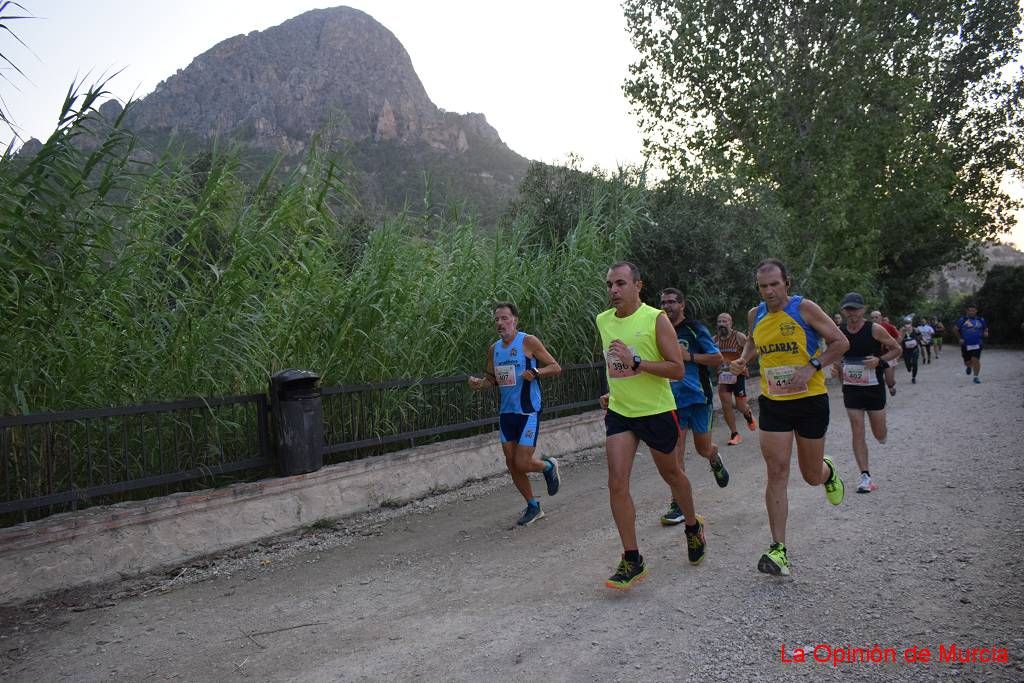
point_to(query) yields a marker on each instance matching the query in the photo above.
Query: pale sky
(547, 74)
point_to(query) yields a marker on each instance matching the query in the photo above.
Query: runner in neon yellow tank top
(642, 354)
(784, 333)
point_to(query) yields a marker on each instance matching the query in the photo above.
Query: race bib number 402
(779, 380)
(859, 376)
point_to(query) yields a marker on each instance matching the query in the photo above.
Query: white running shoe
(865, 485)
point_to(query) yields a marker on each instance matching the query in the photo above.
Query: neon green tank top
(634, 394)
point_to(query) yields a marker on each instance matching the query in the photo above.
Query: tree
(1001, 301)
(884, 128)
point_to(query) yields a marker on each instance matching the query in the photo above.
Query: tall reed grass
(126, 282)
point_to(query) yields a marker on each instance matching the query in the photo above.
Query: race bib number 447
(779, 380)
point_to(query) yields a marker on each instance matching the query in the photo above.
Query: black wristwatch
(816, 363)
(636, 363)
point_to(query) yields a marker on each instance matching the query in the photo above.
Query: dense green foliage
(126, 282)
(1001, 302)
(882, 128)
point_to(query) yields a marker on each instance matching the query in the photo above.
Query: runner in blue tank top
(512, 367)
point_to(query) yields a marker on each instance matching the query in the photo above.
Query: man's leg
(726, 397)
(748, 415)
(776, 449)
(860, 444)
(976, 364)
(621, 450)
(519, 478)
(708, 449)
(878, 426)
(678, 482)
(890, 379)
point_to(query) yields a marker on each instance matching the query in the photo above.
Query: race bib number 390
(505, 375)
(619, 368)
(779, 380)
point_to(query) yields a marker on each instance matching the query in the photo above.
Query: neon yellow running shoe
(627, 574)
(774, 561)
(834, 489)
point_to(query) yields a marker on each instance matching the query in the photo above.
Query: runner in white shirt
(927, 332)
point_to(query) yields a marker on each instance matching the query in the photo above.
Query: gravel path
(446, 588)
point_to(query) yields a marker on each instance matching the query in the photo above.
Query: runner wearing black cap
(861, 370)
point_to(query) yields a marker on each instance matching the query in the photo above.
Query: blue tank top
(510, 362)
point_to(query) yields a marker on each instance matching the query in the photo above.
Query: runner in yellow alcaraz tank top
(633, 393)
(785, 342)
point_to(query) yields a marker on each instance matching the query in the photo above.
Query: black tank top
(862, 343)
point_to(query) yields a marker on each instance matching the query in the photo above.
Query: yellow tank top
(785, 342)
(634, 394)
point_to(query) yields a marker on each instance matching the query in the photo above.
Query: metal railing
(56, 462)
(367, 419)
(61, 460)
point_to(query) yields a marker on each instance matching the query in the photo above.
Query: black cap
(852, 300)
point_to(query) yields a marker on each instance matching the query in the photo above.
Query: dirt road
(446, 589)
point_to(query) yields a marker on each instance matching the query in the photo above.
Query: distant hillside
(341, 72)
(961, 278)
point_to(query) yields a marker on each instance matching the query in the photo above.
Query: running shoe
(530, 515)
(892, 390)
(977, 380)
(751, 423)
(695, 545)
(734, 440)
(627, 574)
(721, 474)
(774, 561)
(551, 476)
(967, 371)
(834, 489)
(865, 485)
(673, 516)
(913, 380)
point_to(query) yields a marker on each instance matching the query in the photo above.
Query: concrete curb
(107, 543)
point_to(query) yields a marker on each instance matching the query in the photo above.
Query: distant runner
(890, 367)
(694, 403)
(642, 354)
(940, 333)
(910, 342)
(971, 331)
(860, 369)
(927, 332)
(512, 367)
(784, 334)
(732, 387)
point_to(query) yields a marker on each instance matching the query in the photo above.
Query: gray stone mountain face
(341, 73)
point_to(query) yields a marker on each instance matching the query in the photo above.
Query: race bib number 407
(779, 380)
(505, 375)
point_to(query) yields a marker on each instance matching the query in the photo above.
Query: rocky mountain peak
(336, 69)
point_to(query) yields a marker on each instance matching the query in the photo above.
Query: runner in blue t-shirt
(694, 407)
(971, 330)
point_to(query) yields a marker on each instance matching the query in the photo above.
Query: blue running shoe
(530, 515)
(551, 476)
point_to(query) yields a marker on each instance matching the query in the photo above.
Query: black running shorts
(660, 432)
(967, 355)
(808, 417)
(864, 398)
(739, 387)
